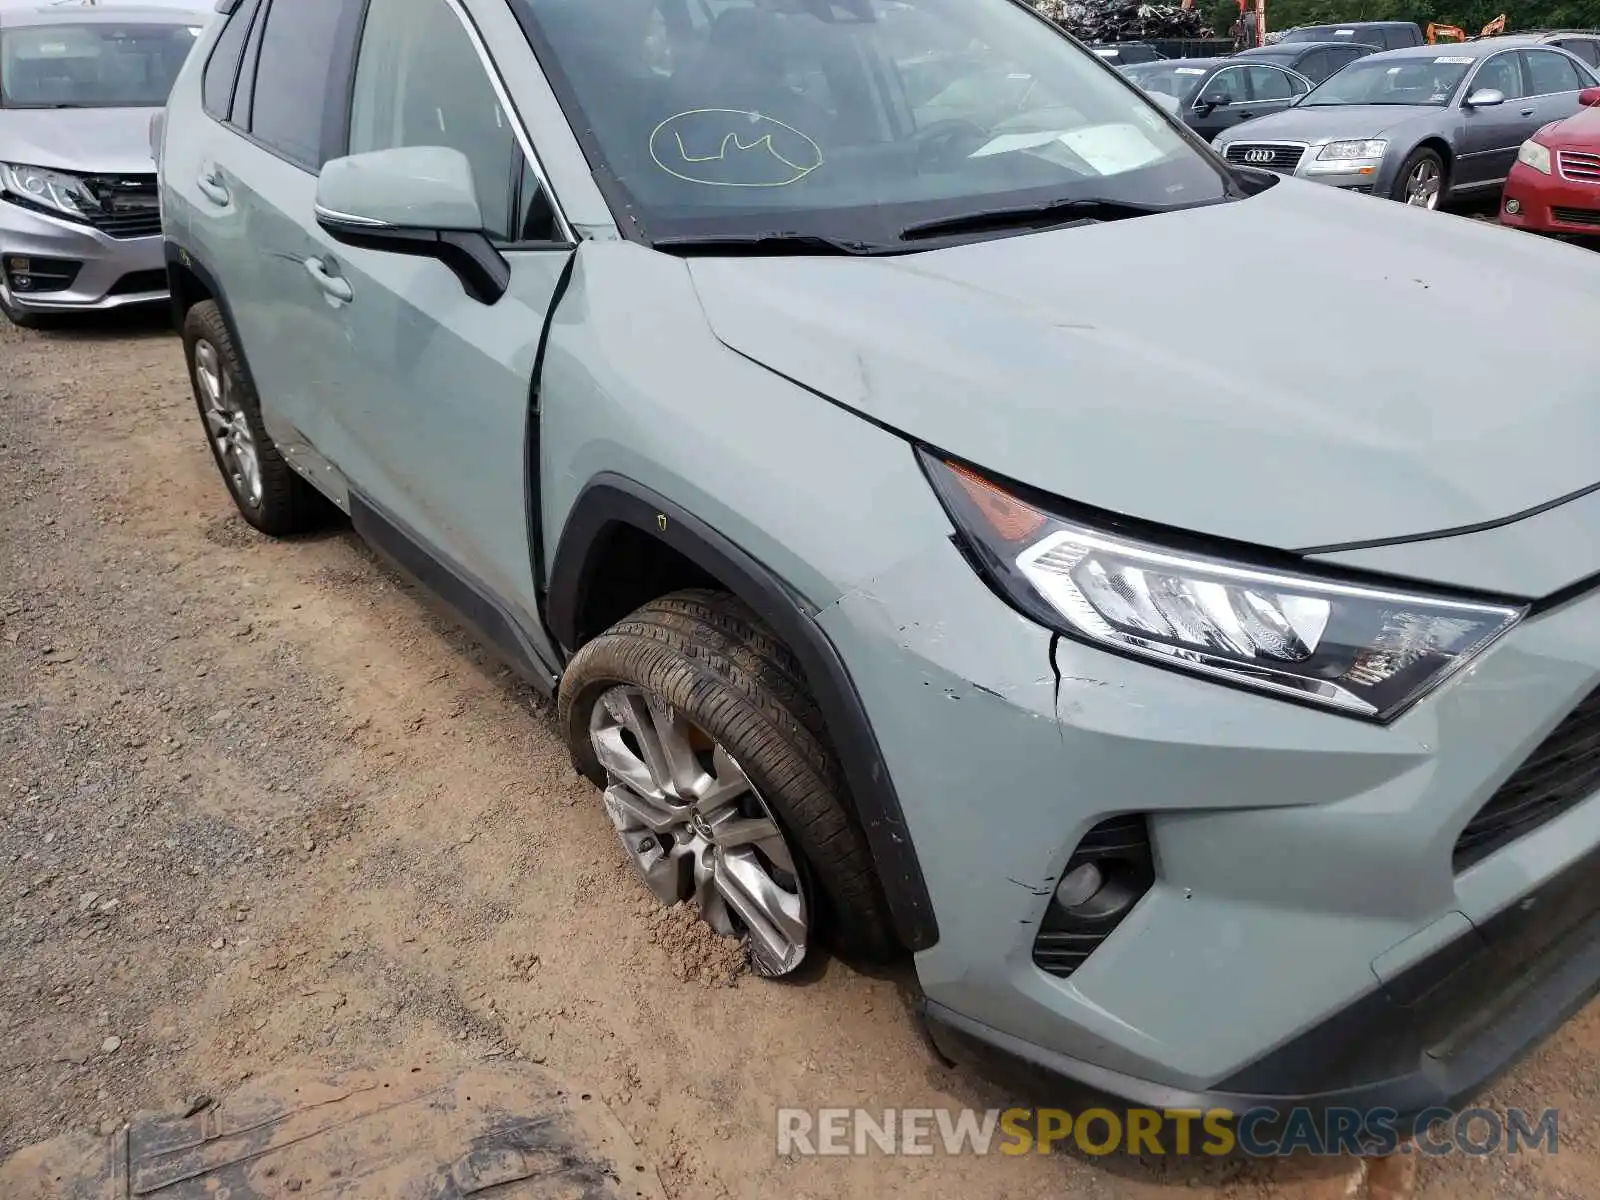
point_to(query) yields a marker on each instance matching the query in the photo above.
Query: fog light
(1079, 885)
(1513, 207)
(22, 283)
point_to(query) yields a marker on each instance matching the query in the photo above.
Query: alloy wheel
(227, 425)
(695, 826)
(1423, 185)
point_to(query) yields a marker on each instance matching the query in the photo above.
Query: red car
(1554, 186)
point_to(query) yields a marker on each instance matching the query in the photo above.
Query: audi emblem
(1258, 156)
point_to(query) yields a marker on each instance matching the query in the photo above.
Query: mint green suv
(831, 403)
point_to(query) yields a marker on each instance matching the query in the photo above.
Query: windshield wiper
(1053, 212)
(761, 243)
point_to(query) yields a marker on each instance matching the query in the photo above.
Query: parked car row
(1423, 124)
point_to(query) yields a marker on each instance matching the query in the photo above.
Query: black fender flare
(609, 500)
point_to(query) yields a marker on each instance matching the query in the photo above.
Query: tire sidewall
(202, 325)
(811, 861)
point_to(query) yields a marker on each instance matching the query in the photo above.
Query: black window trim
(237, 69)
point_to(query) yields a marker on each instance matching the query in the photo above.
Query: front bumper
(1299, 159)
(1305, 889)
(1550, 204)
(110, 272)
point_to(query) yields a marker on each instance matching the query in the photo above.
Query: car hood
(1334, 121)
(107, 141)
(1578, 132)
(1382, 373)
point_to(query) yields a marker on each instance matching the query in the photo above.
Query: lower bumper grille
(1562, 773)
(1283, 159)
(1577, 216)
(30, 276)
(1118, 849)
(135, 282)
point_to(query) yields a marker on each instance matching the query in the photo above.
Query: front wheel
(717, 775)
(1422, 182)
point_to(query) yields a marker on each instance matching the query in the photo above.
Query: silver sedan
(1419, 125)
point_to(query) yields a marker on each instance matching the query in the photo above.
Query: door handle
(213, 188)
(331, 285)
(1528, 112)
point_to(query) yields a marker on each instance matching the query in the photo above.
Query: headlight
(1349, 150)
(52, 189)
(1360, 649)
(1535, 156)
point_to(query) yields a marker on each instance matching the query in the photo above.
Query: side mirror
(1486, 98)
(1215, 100)
(417, 200)
(1590, 97)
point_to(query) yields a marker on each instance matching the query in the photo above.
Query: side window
(1499, 73)
(420, 82)
(1549, 72)
(1229, 82)
(293, 68)
(222, 68)
(1269, 83)
(1396, 39)
(1316, 66)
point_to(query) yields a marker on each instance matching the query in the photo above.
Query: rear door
(1553, 83)
(430, 397)
(248, 183)
(1490, 136)
(1272, 89)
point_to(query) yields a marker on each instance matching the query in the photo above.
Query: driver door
(430, 406)
(1208, 118)
(1490, 136)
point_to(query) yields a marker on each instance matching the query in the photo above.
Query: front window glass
(850, 118)
(1427, 80)
(93, 65)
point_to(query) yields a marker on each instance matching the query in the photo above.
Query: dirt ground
(260, 809)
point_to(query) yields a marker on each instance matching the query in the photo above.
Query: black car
(1213, 95)
(1315, 60)
(1380, 35)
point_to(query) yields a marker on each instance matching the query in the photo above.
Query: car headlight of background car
(1352, 150)
(1534, 155)
(1357, 648)
(55, 190)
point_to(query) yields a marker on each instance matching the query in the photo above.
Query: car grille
(1561, 773)
(1578, 166)
(1269, 156)
(1577, 216)
(128, 205)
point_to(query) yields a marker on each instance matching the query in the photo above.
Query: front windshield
(1381, 80)
(93, 65)
(849, 119)
(1166, 79)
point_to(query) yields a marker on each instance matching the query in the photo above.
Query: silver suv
(768, 382)
(79, 224)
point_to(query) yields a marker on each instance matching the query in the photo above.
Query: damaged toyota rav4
(1212, 720)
